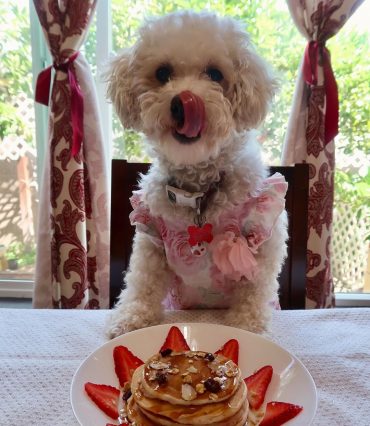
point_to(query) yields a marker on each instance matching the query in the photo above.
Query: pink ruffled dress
(204, 276)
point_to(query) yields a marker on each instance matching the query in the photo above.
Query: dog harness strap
(213, 188)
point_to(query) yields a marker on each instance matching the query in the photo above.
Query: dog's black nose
(177, 110)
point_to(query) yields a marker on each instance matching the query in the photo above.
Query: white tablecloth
(41, 349)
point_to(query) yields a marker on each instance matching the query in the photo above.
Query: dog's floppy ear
(253, 90)
(121, 91)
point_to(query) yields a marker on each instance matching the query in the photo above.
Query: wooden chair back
(292, 279)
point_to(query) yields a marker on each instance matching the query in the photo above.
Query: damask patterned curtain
(313, 124)
(72, 269)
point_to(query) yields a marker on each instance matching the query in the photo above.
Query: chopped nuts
(200, 388)
(188, 392)
(192, 369)
(158, 365)
(221, 381)
(173, 371)
(187, 379)
(213, 396)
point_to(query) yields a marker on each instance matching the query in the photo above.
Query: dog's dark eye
(163, 73)
(214, 74)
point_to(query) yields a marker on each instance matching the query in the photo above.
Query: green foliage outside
(276, 38)
(15, 68)
(24, 254)
(351, 64)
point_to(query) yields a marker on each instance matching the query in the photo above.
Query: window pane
(18, 183)
(351, 221)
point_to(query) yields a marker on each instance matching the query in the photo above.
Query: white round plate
(291, 381)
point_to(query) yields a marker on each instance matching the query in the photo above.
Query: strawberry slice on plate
(121, 424)
(175, 341)
(105, 397)
(230, 350)
(257, 385)
(278, 413)
(125, 363)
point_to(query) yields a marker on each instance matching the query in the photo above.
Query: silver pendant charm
(199, 249)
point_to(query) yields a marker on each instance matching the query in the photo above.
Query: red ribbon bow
(77, 105)
(311, 59)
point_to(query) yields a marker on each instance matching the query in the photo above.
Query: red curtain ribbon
(310, 70)
(77, 105)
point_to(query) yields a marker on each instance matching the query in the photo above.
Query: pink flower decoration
(256, 236)
(233, 256)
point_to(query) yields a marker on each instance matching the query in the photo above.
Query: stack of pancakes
(188, 388)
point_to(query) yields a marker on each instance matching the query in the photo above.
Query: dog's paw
(113, 330)
(257, 326)
(121, 322)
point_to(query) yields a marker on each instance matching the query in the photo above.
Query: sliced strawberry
(105, 397)
(121, 424)
(230, 350)
(125, 363)
(277, 413)
(257, 385)
(175, 341)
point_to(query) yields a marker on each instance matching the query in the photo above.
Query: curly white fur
(190, 43)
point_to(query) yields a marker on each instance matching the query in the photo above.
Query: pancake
(238, 419)
(189, 388)
(135, 415)
(190, 377)
(200, 414)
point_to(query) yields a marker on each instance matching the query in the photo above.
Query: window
(351, 220)
(18, 157)
(113, 28)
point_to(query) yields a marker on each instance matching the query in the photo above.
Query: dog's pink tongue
(194, 114)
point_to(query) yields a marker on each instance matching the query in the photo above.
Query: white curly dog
(210, 224)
